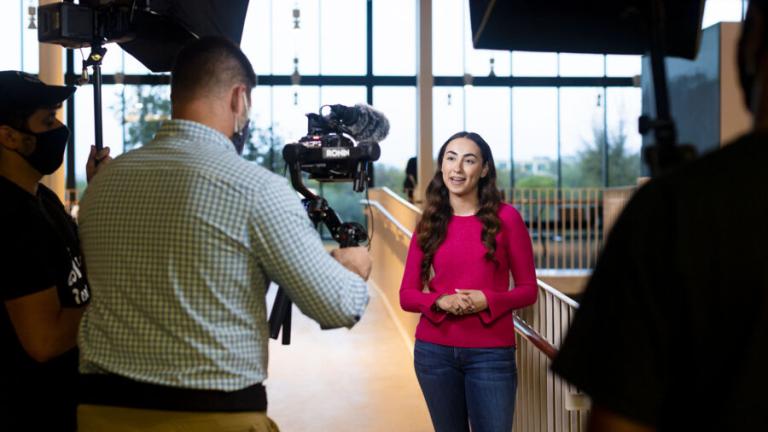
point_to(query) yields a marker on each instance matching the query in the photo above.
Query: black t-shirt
(673, 327)
(39, 250)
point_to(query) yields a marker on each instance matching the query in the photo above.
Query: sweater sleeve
(412, 298)
(521, 264)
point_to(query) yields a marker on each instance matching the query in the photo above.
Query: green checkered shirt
(181, 238)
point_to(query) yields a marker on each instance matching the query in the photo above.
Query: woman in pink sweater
(457, 275)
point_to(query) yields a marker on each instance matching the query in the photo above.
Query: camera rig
(328, 154)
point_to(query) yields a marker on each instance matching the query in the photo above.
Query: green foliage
(536, 181)
(265, 148)
(148, 106)
(586, 168)
(503, 176)
(145, 109)
(391, 177)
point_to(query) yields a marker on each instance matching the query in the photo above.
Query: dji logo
(335, 153)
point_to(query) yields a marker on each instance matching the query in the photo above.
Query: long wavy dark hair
(433, 226)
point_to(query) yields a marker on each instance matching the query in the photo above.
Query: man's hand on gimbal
(355, 259)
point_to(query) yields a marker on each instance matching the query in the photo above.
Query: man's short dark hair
(209, 63)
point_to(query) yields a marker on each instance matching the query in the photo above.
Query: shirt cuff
(432, 313)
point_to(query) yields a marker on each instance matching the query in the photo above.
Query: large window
(534, 136)
(312, 52)
(488, 112)
(582, 136)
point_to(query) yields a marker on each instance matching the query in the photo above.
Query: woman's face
(462, 167)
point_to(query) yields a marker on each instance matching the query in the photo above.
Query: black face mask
(241, 137)
(49, 150)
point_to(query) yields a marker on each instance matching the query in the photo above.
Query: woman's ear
(485, 170)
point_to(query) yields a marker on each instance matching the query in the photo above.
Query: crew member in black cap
(43, 287)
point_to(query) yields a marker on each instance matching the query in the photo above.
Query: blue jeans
(464, 386)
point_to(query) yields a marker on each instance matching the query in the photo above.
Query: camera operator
(672, 333)
(182, 237)
(44, 288)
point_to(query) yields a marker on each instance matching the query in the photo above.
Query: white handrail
(559, 295)
(388, 215)
(403, 201)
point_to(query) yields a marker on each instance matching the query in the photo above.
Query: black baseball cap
(22, 93)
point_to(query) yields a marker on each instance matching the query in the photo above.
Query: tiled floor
(346, 380)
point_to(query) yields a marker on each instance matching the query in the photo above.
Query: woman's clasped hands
(463, 302)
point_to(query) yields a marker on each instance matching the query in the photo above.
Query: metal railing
(566, 225)
(614, 200)
(544, 401)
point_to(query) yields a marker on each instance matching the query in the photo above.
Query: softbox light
(158, 36)
(584, 26)
(151, 31)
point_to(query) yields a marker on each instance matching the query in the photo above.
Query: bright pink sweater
(460, 264)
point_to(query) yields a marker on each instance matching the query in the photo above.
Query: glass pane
(624, 107)
(113, 113)
(345, 95)
(261, 106)
(447, 39)
(264, 147)
(289, 106)
(342, 41)
(144, 110)
(623, 65)
(131, 66)
(581, 65)
(289, 42)
(256, 42)
(447, 114)
(344, 200)
(716, 11)
(525, 63)
(31, 52)
(478, 62)
(394, 51)
(11, 19)
(493, 125)
(582, 136)
(399, 105)
(534, 133)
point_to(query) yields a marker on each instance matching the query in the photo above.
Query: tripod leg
(280, 316)
(287, 324)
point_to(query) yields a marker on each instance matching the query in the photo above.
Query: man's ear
(236, 98)
(10, 138)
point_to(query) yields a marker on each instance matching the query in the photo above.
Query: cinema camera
(340, 146)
